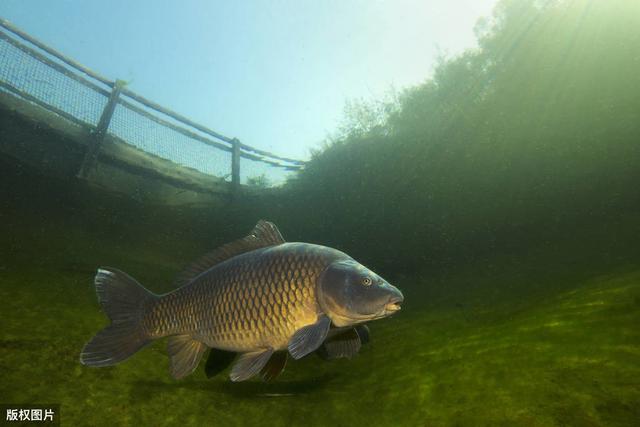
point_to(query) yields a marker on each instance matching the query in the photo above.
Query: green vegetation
(533, 134)
(259, 181)
(501, 196)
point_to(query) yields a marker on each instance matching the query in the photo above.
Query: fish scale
(242, 305)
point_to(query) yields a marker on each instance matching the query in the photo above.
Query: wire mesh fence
(28, 74)
(43, 76)
(157, 139)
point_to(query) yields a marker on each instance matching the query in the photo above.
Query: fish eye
(367, 281)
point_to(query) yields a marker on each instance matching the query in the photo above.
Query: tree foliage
(533, 132)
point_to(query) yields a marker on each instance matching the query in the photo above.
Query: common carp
(259, 296)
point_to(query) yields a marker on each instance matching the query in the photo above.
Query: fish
(259, 297)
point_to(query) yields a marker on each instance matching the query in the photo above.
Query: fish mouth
(393, 305)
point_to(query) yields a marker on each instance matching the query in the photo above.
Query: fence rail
(46, 77)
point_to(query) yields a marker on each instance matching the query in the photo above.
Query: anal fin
(185, 353)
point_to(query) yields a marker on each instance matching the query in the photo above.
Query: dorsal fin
(264, 234)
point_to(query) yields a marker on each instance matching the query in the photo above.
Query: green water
(501, 196)
(536, 340)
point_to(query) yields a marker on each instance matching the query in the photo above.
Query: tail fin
(124, 300)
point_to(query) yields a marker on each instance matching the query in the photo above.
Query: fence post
(235, 167)
(98, 134)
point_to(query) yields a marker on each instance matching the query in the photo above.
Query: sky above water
(275, 74)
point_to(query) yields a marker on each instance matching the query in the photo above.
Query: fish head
(349, 293)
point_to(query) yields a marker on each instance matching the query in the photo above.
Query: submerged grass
(569, 359)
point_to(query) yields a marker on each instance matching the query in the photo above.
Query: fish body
(259, 296)
(251, 301)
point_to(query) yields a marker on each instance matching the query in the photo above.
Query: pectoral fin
(345, 344)
(309, 338)
(218, 361)
(249, 364)
(185, 354)
(274, 366)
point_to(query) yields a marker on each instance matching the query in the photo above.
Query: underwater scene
(462, 252)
